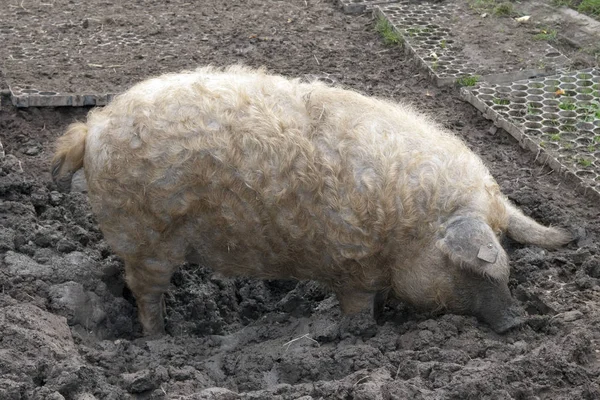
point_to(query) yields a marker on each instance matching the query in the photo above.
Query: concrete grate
(34, 98)
(557, 117)
(361, 6)
(428, 33)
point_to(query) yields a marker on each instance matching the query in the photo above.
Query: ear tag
(488, 253)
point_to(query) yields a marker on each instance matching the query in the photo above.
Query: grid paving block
(361, 6)
(23, 98)
(557, 117)
(432, 35)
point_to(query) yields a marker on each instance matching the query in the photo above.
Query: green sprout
(548, 35)
(503, 9)
(567, 106)
(470, 80)
(387, 32)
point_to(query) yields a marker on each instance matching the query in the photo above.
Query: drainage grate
(432, 34)
(558, 117)
(360, 6)
(35, 98)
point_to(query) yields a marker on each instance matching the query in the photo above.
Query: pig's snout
(493, 304)
(504, 320)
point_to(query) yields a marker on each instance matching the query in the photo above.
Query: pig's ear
(471, 243)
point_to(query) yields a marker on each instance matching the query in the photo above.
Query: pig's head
(464, 270)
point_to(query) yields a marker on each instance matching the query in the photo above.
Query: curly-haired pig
(262, 176)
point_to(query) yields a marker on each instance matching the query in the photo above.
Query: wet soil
(68, 328)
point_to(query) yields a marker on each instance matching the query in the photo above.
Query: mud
(67, 322)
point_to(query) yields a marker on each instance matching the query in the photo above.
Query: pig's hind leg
(148, 279)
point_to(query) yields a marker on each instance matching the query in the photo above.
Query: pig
(258, 175)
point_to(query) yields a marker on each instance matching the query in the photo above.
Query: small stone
(12, 163)
(493, 129)
(65, 246)
(55, 198)
(80, 234)
(580, 256)
(570, 316)
(182, 374)
(216, 393)
(32, 151)
(592, 267)
(140, 381)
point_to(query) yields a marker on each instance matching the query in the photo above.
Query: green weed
(503, 9)
(548, 35)
(387, 32)
(567, 106)
(470, 80)
(590, 7)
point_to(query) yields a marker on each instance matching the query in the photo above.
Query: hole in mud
(584, 97)
(553, 54)
(584, 127)
(585, 174)
(551, 110)
(550, 131)
(567, 114)
(533, 118)
(533, 132)
(551, 83)
(550, 102)
(584, 76)
(585, 83)
(550, 122)
(533, 125)
(584, 90)
(583, 141)
(535, 91)
(568, 79)
(533, 98)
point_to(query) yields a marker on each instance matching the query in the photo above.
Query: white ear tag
(488, 253)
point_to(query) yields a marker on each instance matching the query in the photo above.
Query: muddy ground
(67, 322)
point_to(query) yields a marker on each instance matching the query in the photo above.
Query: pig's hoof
(361, 324)
(504, 326)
